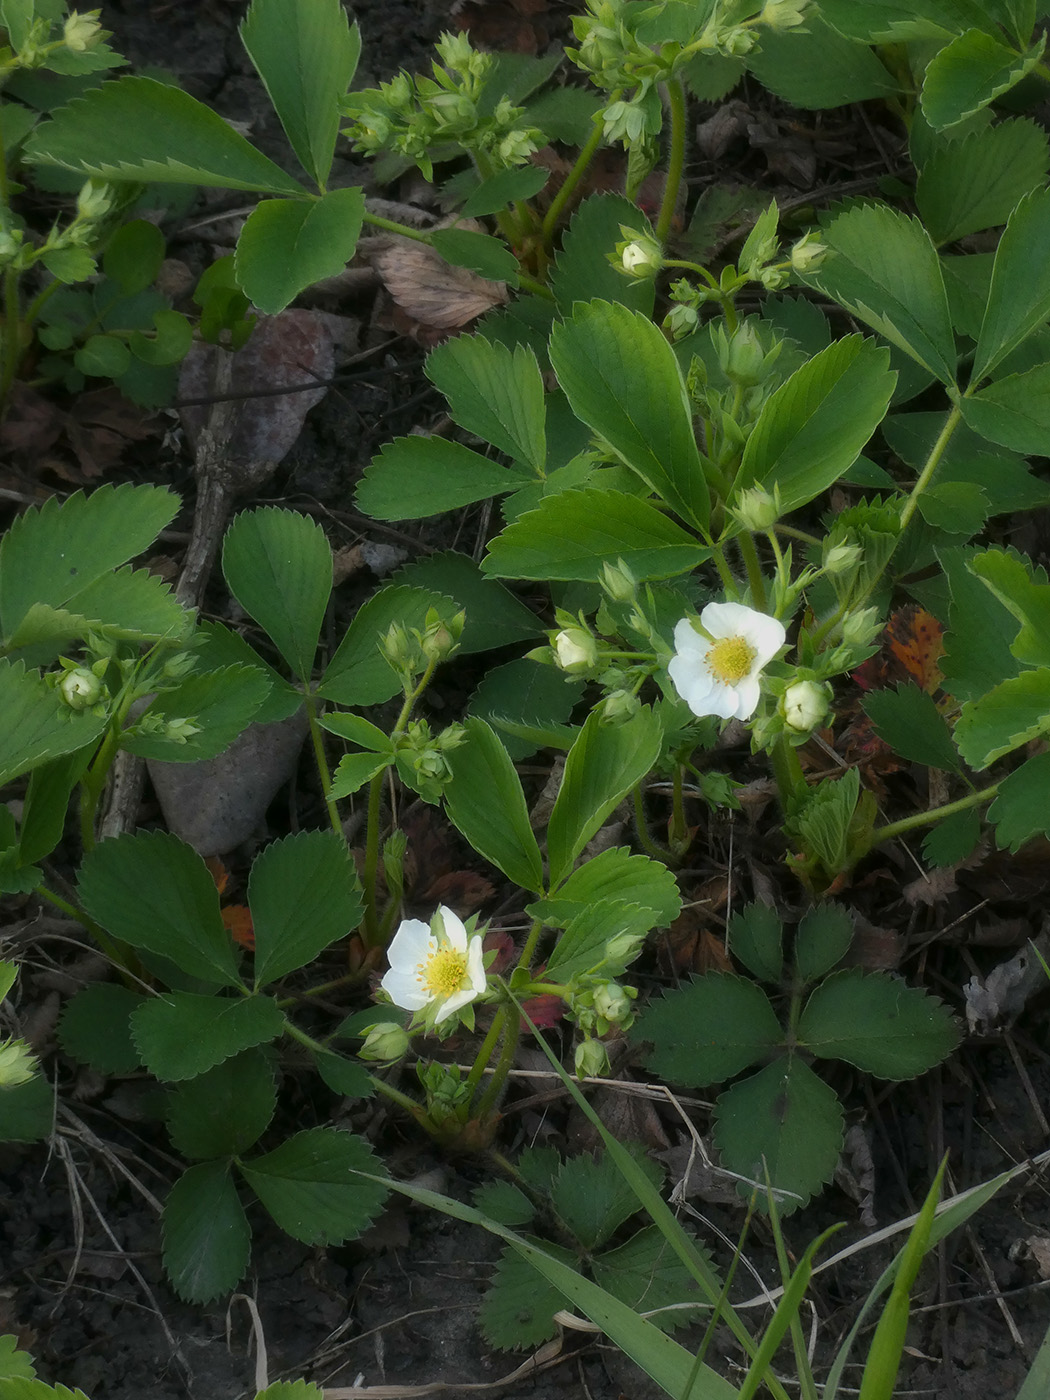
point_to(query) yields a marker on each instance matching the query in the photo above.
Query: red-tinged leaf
(218, 873)
(237, 918)
(911, 648)
(506, 950)
(544, 1011)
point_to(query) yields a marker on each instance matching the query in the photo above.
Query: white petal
(767, 636)
(728, 619)
(451, 1004)
(723, 701)
(405, 989)
(746, 693)
(687, 640)
(454, 930)
(412, 944)
(476, 963)
(692, 680)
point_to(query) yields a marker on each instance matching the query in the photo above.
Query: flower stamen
(730, 659)
(443, 972)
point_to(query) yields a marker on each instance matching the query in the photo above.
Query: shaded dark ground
(80, 1275)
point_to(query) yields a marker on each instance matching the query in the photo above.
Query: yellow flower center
(730, 659)
(443, 972)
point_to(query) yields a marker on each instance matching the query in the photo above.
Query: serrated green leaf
(51, 554)
(974, 184)
(306, 56)
(350, 1078)
(152, 891)
(584, 945)
(170, 342)
(573, 534)
(1025, 593)
(495, 393)
(622, 379)
(278, 565)
(821, 940)
(977, 652)
(311, 1188)
(616, 874)
(582, 270)
(952, 840)
(220, 703)
(525, 693)
(224, 1111)
(287, 245)
(969, 73)
(27, 1111)
(358, 673)
(415, 477)
(518, 1308)
(908, 719)
(354, 770)
(592, 1198)
(503, 189)
(644, 1274)
(14, 1364)
(486, 803)
(96, 1028)
(1013, 411)
(1010, 715)
(182, 1034)
(967, 458)
(1019, 294)
(957, 507)
(303, 894)
(37, 725)
(1020, 810)
(291, 1390)
(812, 429)
(877, 1023)
(819, 68)
(709, 1030)
(756, 937)
(495, 617)
(604, 764)
(217, 646)
(128, 605)
(130, 128)
(885, 270)
(480, 253)
(207, 1238)
(784, 1121)
(502, 1201)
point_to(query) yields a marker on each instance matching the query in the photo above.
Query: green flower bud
(620, 706)
(81, 688)
(612, 1002)
(756, 509)
(783, 14)
(81, 32)
(17, 1064)
(618, 581)
(640, 255)
(804, 706)
(860, 629)
(575, 651)
(591, 1059)
(386, 1041)
(807, 254)
(840, 558)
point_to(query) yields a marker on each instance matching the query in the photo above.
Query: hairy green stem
(529, 947)
(392, 226)
(749, 554)
(488, 1046)
(891, 830)
(642, 827)
(787, 770)
(933, 461)
(321, 758)
(511, 1033)
(676, 156)
(568, 186)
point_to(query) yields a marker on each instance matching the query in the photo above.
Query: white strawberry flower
(715, 669)
(437, 968)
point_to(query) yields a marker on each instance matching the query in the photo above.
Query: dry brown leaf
(432, 291)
